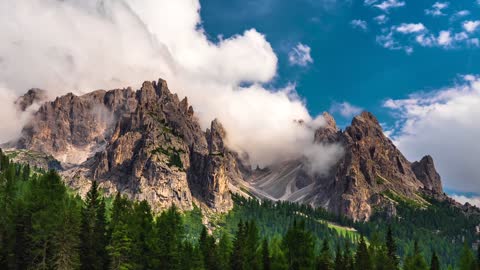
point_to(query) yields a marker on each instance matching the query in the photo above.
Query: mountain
(369, 173)
(149, 145)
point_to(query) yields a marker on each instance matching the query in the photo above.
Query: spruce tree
(415, 261)
(362, 257)
(299, 247)
(238, 260)
(266, 264)
(325, 259)
(92, 233)
(393, 262)
(224, 251)
(339, 263)
(435, 263)
(467, 260)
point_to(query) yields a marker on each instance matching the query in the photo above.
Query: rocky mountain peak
(427, 174)
(34, 95)
(328, 132)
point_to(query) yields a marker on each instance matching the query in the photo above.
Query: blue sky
(412, 63)
(349, 64)
(370, 54)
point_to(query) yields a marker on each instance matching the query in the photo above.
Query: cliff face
(149, 145)
(371, 169)
(146, 144)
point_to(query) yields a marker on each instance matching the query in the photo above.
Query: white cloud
(426, 40)
(300, 55)
(471, 26)
(82, 45)
(408, 28)
(474, 42)
(369, 2)
(444, 38)
(464, 199)
(359, 24)
(460, 14)
(444, 124)
(381, 19)
(388, 4)
(437, 9)
(345, 109)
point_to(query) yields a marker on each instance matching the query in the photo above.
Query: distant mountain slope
(148, 144)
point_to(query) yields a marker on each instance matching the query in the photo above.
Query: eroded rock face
(147, 144)
(371, 167)
(34, 95)
(427, 174)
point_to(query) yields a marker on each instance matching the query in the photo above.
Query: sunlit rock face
(141, 143)
(148, 144)
(371, 169)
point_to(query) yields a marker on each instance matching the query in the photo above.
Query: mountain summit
(149, 145)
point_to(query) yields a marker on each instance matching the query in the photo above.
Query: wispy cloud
(437, 9)
(300, 55)
(345, 109)
(388, 4)
(369, 2)
(359, 24)
(471, 26)
(381, 19)
(459, 14)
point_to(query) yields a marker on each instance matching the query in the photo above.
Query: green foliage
(44, 226)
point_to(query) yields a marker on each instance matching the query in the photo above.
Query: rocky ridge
(146, 144)
(149, 145)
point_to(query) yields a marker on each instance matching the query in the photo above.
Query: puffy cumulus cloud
(359, 24)
(408, 28)
(345, 109)
(300, 55)
(471, 26)
(389, 4)
(82, 45)
(444, 38)
(437, 9)
(443, 123)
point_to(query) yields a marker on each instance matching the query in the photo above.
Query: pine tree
(238, 260)
(435, 263)
(265, 255)
(339, 263)
(120, 248)
(66, 238)
(347, 257)
(467, 260)
(393, 262)
(252, 246)
(299, 245)
(362, 257)
(92, 233)
(325, 259)
(224, 251)
(208, 248)
(415, 261)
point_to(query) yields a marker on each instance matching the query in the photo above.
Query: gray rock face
(147, 144)
(371, 168)
(427, 174)
(34, 95)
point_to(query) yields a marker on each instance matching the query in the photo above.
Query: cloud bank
(443, 123)
(82, 45)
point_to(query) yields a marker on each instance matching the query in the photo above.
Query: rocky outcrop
(149, 145)
(146, 144)
(371, 170)
(425, 172)
(34, 95)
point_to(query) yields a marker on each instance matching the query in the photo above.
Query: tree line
(43, 225)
